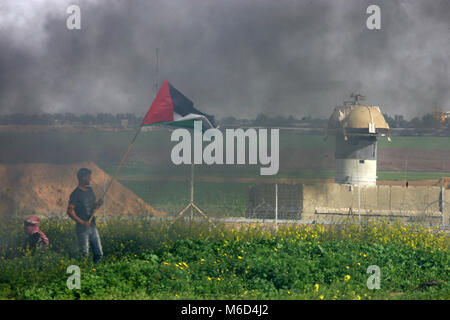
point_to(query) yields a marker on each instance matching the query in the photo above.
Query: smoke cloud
(232, 58)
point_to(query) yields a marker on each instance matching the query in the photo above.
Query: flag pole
(191, 203)
(192, 190)
(124, 157)
(122, 161)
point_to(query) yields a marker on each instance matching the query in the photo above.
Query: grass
(226, 198)
(421, 143)
(221, 198)
(160, 140)
(151, 260)
(156, 140)
(94, 139)
(217, 199)
(411, 175)
(106, 148)
(145, 172)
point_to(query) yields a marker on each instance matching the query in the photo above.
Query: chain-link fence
(222, 196)
(274, 201)
(142, 190)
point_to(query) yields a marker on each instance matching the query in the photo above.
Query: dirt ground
(414, 159)
(44, 189)
(443, 182)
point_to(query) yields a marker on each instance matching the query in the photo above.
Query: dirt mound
(44, 189)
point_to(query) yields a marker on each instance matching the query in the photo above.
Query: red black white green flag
(171, 107)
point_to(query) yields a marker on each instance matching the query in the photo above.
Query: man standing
(82, 205)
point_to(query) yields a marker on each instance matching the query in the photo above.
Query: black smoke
(232, 58)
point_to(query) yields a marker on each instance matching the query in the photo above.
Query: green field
(411, 175)
(160, 139)
(166, 186)
(218, 198)
(152, 260)
(425, 143)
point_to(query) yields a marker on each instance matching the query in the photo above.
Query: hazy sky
(231, 57)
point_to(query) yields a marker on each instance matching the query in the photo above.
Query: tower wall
(356, 160)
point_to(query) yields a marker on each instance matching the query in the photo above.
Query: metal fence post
(104, 195)
(276, 206)
(359, 205)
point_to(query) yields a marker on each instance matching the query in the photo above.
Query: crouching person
(81, 208)
(37, 240)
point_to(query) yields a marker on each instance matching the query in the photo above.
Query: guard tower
(356, 128)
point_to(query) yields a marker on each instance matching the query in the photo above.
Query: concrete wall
(446, 208)
(415, 203)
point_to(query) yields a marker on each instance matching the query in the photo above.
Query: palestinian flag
(171, 107)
